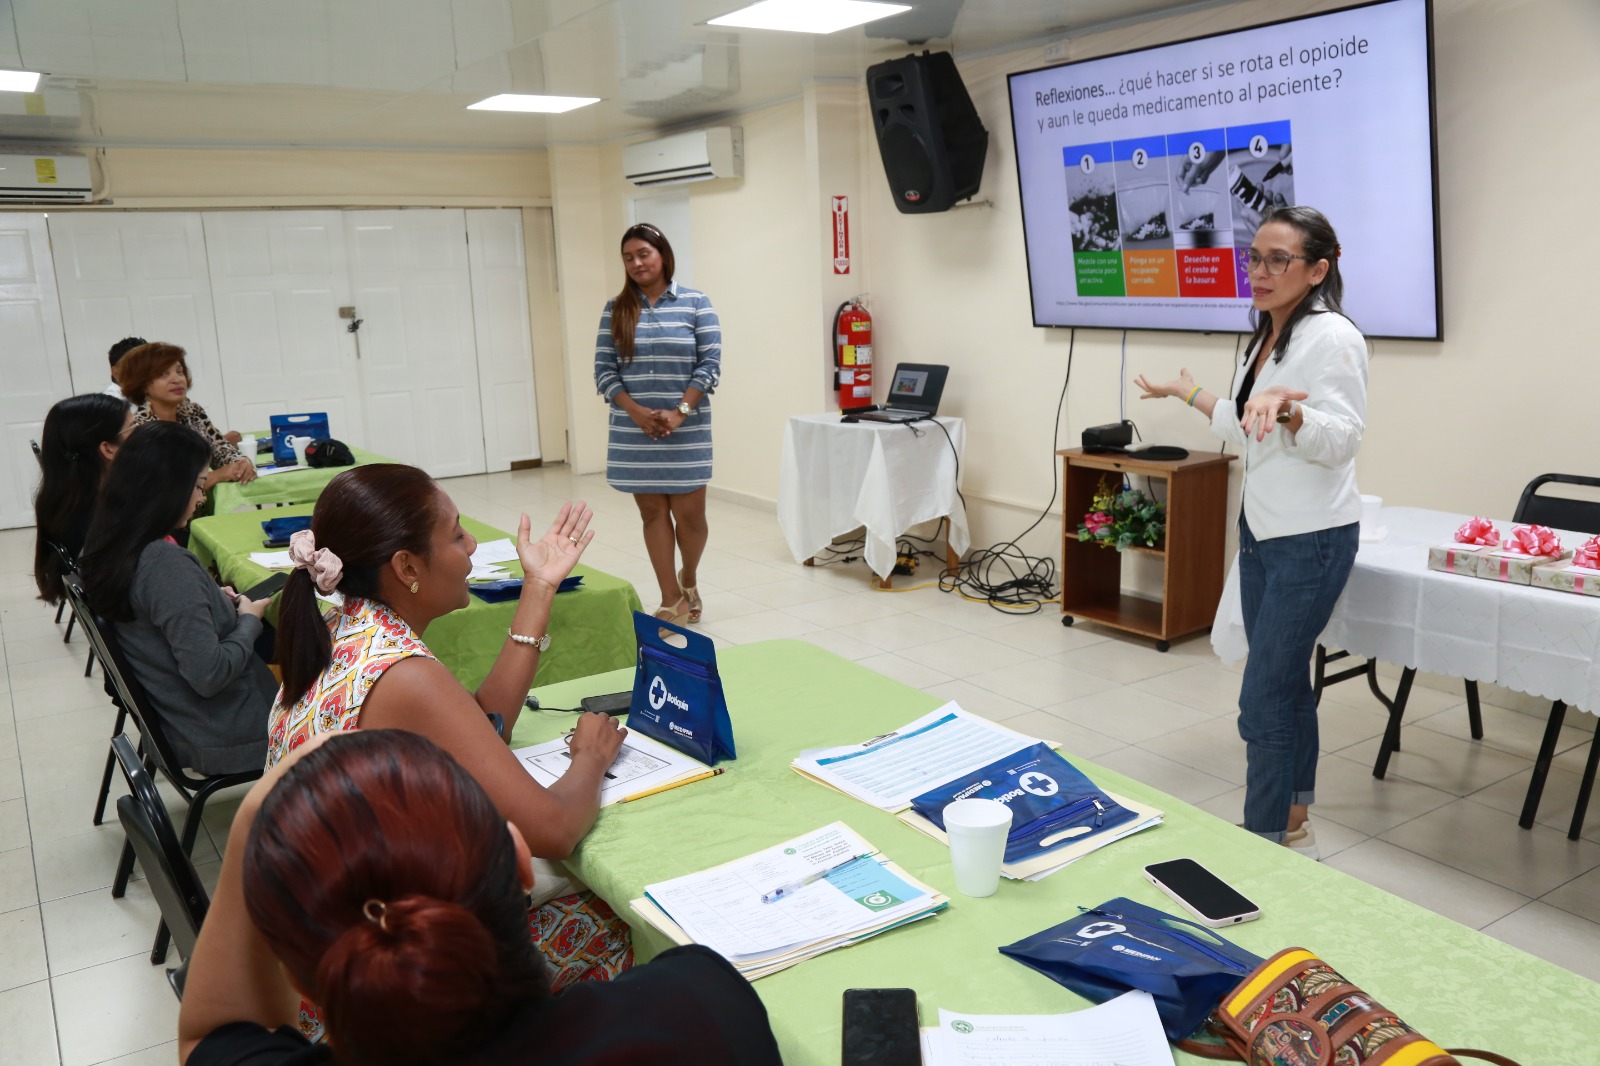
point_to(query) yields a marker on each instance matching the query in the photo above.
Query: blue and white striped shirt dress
(677, 344)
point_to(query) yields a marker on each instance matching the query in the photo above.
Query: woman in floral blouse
(156, 378)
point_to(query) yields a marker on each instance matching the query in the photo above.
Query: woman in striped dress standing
(656, 361)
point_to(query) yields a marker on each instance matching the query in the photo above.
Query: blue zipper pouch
(510, 588)
(1052, 802)
(677, 691)
(284, 528)
(1121, 945)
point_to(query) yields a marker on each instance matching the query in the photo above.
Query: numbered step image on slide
(1201, 218)
(1144, 206)
(1096, 234)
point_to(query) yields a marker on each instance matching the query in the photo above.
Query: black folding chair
(155, 748)
(1559, 512)
(173, 881)
(66, 564)
(73, 594)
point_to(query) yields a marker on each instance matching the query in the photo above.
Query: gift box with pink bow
(1460, 556)
(1525, 548)
(1580, 574)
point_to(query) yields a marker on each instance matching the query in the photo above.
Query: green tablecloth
(1454, 984)
(591, 627)
(302, 486)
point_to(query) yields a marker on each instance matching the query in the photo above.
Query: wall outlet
(1054, 51)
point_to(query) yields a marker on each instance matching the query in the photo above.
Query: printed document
(1125, 1031)
(888, 771)
(641, 764)
(494, 551)
(722, 907)
(272, 560)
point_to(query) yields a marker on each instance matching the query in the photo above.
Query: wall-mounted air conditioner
(701, 155)
(44, 179)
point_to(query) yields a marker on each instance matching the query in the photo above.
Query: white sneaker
(1303, 841)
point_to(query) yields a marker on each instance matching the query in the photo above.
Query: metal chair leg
(1585, 788)
(124, 871)
(70, 623)
(158, 953)
(60, 606)
(1474, 712)
(1397, 710)
(1541, 764)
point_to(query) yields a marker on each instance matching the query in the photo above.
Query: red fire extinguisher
(852, 353)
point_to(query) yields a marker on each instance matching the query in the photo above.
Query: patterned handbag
(1296, 1010)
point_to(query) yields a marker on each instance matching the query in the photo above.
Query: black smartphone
(1202, 893)
(613, 703)
(880, 1028)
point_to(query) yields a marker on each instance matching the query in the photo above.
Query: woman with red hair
(381, 881)
(155, 378)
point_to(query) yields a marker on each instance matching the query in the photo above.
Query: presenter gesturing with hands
(1298, 409)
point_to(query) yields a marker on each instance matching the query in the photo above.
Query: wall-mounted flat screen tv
(1145, 174)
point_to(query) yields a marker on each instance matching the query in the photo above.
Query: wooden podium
(1196, 500)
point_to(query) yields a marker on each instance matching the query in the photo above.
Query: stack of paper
(486, 560)
(890, 770)
(1125, 1031)
(641, 764)
(272, 560)
(767, 911)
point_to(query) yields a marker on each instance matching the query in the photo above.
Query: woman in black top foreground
(381, 881)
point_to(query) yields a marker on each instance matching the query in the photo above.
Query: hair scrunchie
(326, 568)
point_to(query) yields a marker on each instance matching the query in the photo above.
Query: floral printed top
(368, 638)
(194, 416)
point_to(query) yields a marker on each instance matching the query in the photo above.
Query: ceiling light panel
(19, 81)
(808, 16)
(548, 105)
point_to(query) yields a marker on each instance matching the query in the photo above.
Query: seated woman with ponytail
(81, 437)
(389, 540)
(370, 872)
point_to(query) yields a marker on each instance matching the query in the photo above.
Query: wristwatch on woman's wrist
(684, 409)
(1286, 415)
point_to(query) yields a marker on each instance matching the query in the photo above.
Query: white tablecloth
(1396, 610)
(837, 477)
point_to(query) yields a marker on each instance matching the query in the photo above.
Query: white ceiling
(398, 73)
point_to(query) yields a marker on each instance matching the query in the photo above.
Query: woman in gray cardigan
(188, 642)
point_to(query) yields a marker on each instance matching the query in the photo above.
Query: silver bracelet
(541, 643)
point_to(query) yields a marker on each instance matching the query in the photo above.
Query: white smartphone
(1202, 893)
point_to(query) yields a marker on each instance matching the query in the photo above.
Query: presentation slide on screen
(1145, 175)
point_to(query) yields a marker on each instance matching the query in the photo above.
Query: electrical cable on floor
(1003, 575)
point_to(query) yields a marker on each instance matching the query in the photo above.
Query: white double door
(255, 297)
(33, 358)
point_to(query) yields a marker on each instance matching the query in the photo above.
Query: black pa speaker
(929, 134)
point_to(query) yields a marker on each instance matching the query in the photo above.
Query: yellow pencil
(674, 784)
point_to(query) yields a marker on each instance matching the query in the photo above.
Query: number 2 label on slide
(1140, 158)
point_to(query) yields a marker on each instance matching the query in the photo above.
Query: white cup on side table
(977, 831)
(299, 445)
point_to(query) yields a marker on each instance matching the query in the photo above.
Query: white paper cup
(247, 446)
(299, 446)
(977, 830)
(1370, 506)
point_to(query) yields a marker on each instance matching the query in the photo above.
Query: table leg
(1397, 710)
(1541, 764)
(1587, 787)
(1474, 712)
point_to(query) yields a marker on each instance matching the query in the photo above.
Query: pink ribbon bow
(1588, 554)
(1478, 531)
(325, 567)
(1533, 540)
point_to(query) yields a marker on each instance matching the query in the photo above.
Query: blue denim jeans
(1289, 586)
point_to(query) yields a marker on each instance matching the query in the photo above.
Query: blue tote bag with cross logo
(677, 692)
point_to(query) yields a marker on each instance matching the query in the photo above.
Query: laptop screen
(908, 384)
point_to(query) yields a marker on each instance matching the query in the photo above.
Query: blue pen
(811, 878)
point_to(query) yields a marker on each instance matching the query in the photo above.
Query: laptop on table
(914, 394)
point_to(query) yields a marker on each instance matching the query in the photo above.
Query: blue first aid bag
(1052, 802)
(677, 692)
(1122, 945)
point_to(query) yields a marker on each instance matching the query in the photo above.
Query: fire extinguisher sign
(841, 235)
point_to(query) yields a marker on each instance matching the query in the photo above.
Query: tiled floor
(77, 987)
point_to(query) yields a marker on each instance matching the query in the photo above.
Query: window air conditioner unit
(44, 179)
(701, 155)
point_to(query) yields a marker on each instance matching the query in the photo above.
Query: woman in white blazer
(1297, 407)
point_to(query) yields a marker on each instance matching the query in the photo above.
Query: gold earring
(415, 585)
